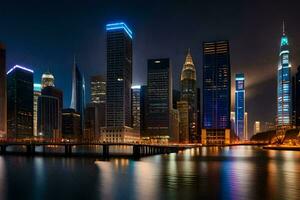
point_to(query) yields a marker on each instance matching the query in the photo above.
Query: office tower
(143, 106)
(246, 135)
(3, 98)
(98, 89)
(118, 85)
(256, 128)
(36, 93)
(284, 85)
(174, 126)
(183, 108)
(297, 97)
(176, 97)
(119, 75)
(189, 94)
(50, 105)
(47, 80)
(19, 102)
(240, 105)
(199, 124)
(78, 93)
(91, 128)
(136, 106)
(216, 93)
(71, 124)
(159, 97)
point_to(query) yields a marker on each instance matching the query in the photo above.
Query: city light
(19, 67)
(118, 26)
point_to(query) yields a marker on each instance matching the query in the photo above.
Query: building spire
(283, 28)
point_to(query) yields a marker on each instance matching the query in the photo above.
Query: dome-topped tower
(47, 80)
(188, 70)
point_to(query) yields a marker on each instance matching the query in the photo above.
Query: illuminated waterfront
(237, 172)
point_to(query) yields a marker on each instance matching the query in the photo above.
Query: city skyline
(261, 88)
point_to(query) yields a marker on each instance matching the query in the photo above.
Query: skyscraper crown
(188, 70)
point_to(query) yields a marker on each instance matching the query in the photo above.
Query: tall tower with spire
(78, 92)
(188, 93)
(284, 84)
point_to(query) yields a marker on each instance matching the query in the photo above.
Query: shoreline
(284, 148)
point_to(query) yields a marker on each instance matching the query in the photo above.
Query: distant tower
(240, 105)
(98, 89)
(189, 94)
(136, 106)
(36, 93)
(3, 98)
(256, 128)
(47, 80)
(19, 102)
(284, 85)
(78, 92)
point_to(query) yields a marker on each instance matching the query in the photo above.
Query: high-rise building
(176, 97)
(216, 93)
(98, 89)
(78, 93)
(19, 102)
(143, 107)
(71, 124)
(246, 133)
(199, 114)
(119, 75)
(256, 127)
(240, 106)
(50, 105)
(36, 93)
(118, 85)
(47, 80)
(174, 126)
(3, 97)
(189, 94)
(284, 85)
(136, 106)
(92, 128)
(297, 97)
(183, 108)
(159, 99)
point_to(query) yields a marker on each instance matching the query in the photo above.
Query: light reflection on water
(240, 172)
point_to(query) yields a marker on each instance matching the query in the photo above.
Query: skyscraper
(36, 93)
(297, 95)
(136, 106)
(71, 124)
(183, 109)
(246, 133)
(240, 105)
(19, 102)
(3, 98)
(216, 93)
(98, 89)
(119, 75)
(284, 85)
(78, 93)
(256, 127)
(189, 94)
(143, 106)
(47, 80)
(159, 99)
(92, 128)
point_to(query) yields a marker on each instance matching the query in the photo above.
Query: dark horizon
(45, 36)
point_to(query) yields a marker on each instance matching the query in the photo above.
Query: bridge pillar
(105, 151)
(30, 149)
(68, 149)
(136, 151)
(2, 149)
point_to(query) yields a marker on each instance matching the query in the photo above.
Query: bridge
(138, 150)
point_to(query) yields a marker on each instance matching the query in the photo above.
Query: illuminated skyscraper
(246, 133)
(256, 127)
(189, 94)
(71, 124)
(3, 98)
(98, 89)
(216, 93)
(78, 93)
(136, 106)
(240, 105)
(47, 80)
(36, 93)
(284, 85)
(297, 97)
(183, 108)
(19, 102)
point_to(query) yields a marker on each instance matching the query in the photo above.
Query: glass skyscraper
(2, 91)
(240, 105)
(136, 106)
(284, 84)
(19, 102)
(216, 93)
(119, 75)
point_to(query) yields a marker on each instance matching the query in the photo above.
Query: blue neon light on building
(240, 105)
(284, 87)
(119, 26)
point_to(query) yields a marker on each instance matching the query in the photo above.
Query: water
(240, 172)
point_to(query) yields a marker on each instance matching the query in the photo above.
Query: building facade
(159, 99)
(71, 124)
(297, 98)
(92, 127)
(183, 109)
(98, 89)
(246, 133)
(47, 80)
(136, 106)
(256, 127)
(216, 93)
(240, 106)
(284, 85)
(3, 97)
(37, 88)
(19, 102)
(143, 107)
(189, 94)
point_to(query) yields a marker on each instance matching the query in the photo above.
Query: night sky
(45, 35)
